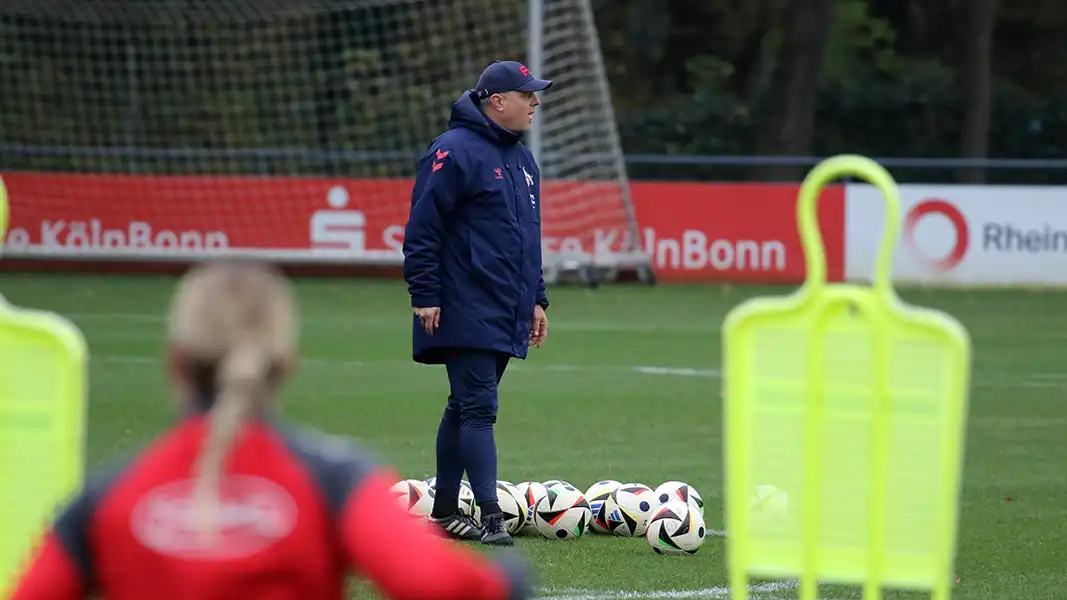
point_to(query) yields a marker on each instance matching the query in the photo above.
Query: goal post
(175, 130)
(592, 228)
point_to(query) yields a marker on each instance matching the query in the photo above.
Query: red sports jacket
(300, 511)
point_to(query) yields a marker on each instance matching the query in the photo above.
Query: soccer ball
(531, 492)
(467, 504)
(675, 528)
(414, 496)
(679, 490)
(770, 505)
(512, 505)
(563, 513)
(597, 496)
(628, 509)
(551, 483)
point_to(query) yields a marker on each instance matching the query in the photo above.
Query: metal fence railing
(134, 159)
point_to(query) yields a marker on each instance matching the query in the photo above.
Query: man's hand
(538, 327)
(430, 317)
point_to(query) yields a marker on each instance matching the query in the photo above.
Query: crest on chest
(529, 187)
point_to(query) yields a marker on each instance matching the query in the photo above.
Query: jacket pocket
(495, 202)
(495, 261)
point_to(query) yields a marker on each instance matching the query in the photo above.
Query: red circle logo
(938, 206)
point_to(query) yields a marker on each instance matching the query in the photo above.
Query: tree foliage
(932, 78)
(894, 78)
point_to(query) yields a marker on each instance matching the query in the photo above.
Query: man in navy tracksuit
(472, 260)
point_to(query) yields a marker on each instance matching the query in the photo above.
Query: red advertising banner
(127, 214)
(708, 232)
(694, 232)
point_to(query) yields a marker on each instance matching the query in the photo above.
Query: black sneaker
(493, 532)
(458, 526)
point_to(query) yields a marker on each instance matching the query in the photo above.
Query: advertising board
(693, 232)
(966, 235)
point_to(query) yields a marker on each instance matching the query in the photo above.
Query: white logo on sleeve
(338, 229)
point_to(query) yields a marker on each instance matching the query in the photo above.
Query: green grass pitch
(626, 388)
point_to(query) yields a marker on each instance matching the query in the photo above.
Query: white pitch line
(1032, 380)
(766, 591)
(637, 369)
(679, 372)
(348, 321)
(133, 317)
(774, 590)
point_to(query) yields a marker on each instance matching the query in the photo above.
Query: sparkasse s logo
(937, 207)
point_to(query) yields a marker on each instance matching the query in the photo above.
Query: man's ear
(497, 102)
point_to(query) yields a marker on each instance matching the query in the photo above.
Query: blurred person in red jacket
(232, 503)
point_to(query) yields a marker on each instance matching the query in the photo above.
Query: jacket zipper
(518, 224)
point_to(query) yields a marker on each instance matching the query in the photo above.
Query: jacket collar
(467, 114)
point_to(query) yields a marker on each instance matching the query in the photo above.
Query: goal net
(177, 129)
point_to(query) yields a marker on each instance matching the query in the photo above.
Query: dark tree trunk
(976, 86)
(788, 124)
(748, 57)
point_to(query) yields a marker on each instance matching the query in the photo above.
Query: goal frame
(606, 169)
(590, 269)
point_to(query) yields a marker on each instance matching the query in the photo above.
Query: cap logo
(525, 72)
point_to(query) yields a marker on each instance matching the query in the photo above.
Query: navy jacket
(472, 245)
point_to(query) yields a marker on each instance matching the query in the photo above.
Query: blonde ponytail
(241, 381)
(239, 319)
